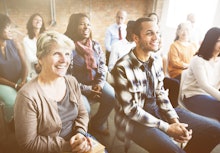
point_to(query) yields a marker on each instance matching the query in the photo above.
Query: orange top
(179, 56)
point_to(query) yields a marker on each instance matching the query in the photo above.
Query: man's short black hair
(137, 25)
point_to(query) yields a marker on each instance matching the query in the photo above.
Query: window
(204, 11)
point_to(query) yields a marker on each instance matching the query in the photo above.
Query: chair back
(180, 96)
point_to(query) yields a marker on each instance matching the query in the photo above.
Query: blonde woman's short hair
(48, 38)
(183, 25)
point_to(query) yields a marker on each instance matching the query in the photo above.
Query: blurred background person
(13, 68)
(201, 82)
(154, 17)
(181, 51)
(35, 26)
(196, 32)
(122, 47)
(115, 32)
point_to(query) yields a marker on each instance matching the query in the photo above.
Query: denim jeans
(206, 135)
(107, 103)
(203, 105)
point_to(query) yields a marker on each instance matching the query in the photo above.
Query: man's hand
(179, 132)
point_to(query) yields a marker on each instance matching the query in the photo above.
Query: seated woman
(88, 66)
(35, 26)
(13, 69)
(181, 51)
(201, 81)
(49, 114)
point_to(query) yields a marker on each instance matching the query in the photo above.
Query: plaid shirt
(130, 87)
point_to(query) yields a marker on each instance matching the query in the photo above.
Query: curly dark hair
(72, 27)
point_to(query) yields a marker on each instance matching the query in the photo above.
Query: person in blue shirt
(115, 32)
(13, 68)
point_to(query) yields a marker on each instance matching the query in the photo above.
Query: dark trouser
(205, 105)
(173, 86)
(107, 103)
(205, 136)
(178, 77)
(107, 55)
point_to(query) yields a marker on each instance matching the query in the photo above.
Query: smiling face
(6, 33)
(56, 62)
(149, 38)
(37, 22)
(84, 28)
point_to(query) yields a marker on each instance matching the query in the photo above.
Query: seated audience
(201, 84)
(181, 51)
(143, 111)
(49, 113)
(88, 66)
(13, 68)
(122, 47)
(35, 26)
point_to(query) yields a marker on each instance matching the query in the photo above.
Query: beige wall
(101, 12)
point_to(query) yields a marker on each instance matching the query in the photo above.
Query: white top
(202, 78)
(30, 49)
(112, 35)
(119, 49)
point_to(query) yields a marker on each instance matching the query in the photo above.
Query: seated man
(144, 112)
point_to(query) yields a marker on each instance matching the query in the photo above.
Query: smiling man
(144, 112)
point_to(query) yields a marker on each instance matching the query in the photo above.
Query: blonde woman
(49, 114)
(181, 51)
